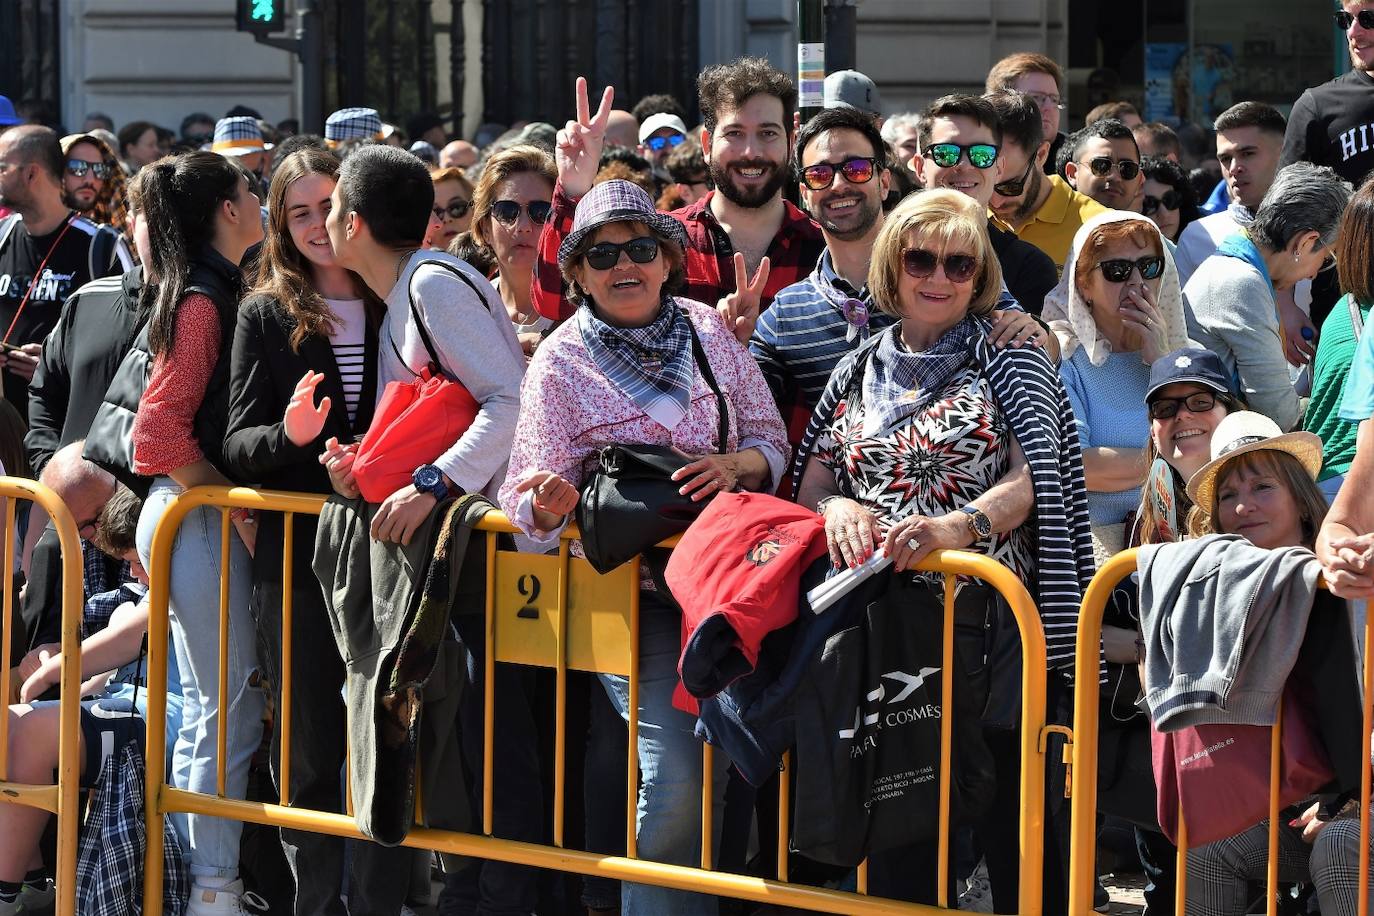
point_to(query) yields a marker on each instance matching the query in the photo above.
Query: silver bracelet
(825, 501)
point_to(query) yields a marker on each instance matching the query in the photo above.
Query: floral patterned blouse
(937, 461)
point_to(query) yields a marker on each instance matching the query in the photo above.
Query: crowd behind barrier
(434, 497)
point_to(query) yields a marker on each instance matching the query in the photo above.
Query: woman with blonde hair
(927, 437)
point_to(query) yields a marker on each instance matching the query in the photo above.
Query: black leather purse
(630, 502)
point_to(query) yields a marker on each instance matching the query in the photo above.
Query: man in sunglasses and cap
(1043, 210)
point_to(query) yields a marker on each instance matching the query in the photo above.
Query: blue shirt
(1109, 404)
(1357, 404)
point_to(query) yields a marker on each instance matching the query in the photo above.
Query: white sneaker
(229, 900)
(978, 897)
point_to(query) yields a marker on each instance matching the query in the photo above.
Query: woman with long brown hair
(306, 332)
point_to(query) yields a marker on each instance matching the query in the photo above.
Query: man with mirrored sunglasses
(1042, 210)
(956, 132)
(817, 321)
(746, 108)
(1104, 163)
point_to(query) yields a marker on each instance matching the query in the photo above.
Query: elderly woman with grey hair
(1231, 303)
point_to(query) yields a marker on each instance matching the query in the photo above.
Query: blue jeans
(212, 844)
(668, 820)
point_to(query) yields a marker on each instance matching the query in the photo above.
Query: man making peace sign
(747, 107)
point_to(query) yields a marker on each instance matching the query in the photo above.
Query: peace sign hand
(740, 309)
(304, 421)
(578, 150)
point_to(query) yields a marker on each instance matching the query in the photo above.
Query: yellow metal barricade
(555, 611)
(1083, 844)
(60, 799)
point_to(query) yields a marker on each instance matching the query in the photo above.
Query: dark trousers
(603, 788)
(318, 734)
(481, 886)
(1159, 861)
(999, 830)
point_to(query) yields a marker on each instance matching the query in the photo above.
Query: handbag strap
(722, 409)
(436, 364)
(1356, 319)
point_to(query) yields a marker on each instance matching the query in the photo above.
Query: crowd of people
(960, 328)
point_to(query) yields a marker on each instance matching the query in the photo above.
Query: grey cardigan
(1231, 310)
(1222, 621)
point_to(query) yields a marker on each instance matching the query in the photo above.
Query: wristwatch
(978, 523)
(429, 479)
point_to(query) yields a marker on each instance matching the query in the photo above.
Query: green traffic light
(263, 11)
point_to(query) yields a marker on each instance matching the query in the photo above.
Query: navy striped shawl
(1037, 409)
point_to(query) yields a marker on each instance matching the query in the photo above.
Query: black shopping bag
(869, 719)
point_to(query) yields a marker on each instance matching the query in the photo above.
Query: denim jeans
(668, 820)
(212, 844)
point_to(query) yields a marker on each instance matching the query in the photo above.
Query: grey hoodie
(1223, 621)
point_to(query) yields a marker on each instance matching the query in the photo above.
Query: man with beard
(1040, 209)
(817, 321)
(955, 133)
(94, 182)
(1333, 124)
(1104, 163)
(45, 252)
(743, 226)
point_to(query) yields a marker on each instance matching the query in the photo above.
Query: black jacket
(1028, 272)
(263, 374)
(97, 326)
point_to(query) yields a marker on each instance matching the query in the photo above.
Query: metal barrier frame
(1083, 843)
(162, 799)
(60, 799)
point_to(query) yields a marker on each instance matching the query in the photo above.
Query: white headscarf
(1071, 318)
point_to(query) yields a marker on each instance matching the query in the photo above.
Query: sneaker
(229, 900)
(38, 900)
(1102, 901)
(977, 898)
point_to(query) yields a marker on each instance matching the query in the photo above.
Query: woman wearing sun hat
(622, 371)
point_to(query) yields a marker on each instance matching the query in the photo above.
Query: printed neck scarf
(652, 364)
(898, 383)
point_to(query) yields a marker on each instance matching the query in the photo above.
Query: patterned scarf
(652, 365)
(856, 312)
(898, 383)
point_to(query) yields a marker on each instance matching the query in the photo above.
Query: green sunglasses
(947, 155)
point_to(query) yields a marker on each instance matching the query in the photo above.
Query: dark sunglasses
(507, 212)
(921, 264)
(79, 168)
(1169, 200)
(947, 155)
(1118, 270)
(856, 170)
(658, 143)
(1197, 402)
(459, 209)
(1014, 187)
(606, 255)
(1102, 167)
(1344, 20)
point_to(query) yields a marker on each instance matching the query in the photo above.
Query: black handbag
(630, 502)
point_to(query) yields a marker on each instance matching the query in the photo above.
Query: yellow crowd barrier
(1083, 844)
(60, 799)
(573, 620)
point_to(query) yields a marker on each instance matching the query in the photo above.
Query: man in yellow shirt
(1040, 209)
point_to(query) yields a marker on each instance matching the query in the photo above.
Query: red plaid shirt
(710, 274)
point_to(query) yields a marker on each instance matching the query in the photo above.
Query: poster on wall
(1178, 89)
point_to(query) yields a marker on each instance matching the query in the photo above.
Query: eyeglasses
(79, 167)
(1169, 200)
(1014, 187)
(1045, 100)
(1102, 166)
(1197, 402)
(507, 212)
(947, 155)
(856, 170)
(606, 255)
(920, 264)
(692, 181)
(658, 143)
(1118, 270)
(459, 209)
(1344, 20)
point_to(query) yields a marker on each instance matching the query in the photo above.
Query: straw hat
(1247, 431)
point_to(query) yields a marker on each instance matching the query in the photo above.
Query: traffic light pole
(308, 46)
